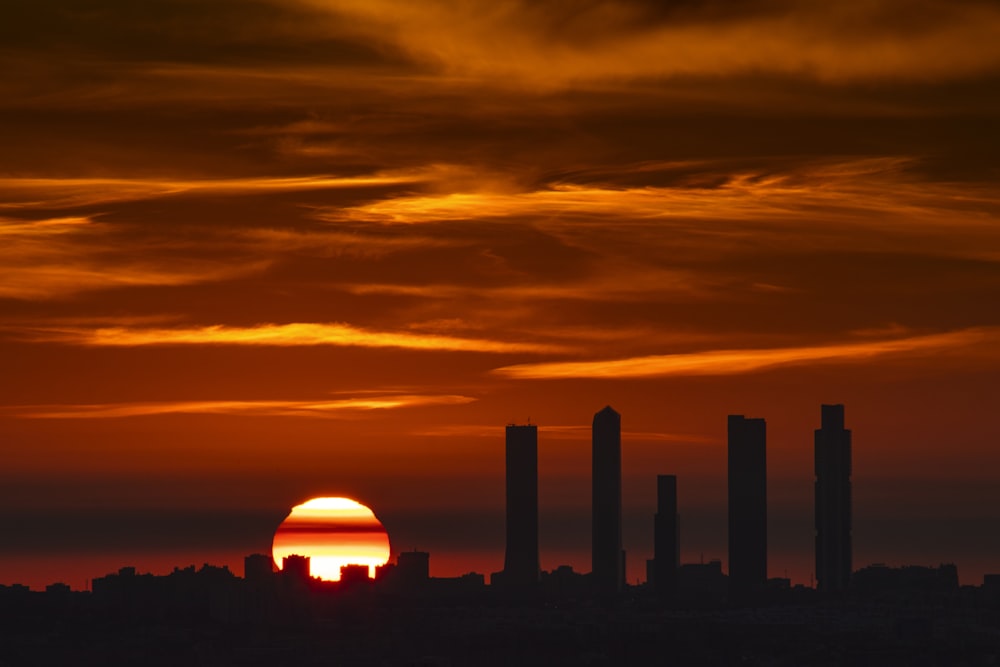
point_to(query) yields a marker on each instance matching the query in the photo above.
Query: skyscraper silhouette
(747, 506)
(521, 569)
(833, 500)
(666, 536)
(608, 560)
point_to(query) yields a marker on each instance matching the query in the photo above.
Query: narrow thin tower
(833, 501)
(747, 507)
(608, 560)
(521, 568)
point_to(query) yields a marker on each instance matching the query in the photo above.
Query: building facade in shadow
(521, 567)
(666, 538)
(833, 501)
(608, 559)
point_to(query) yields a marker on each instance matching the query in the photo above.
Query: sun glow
(332, 532)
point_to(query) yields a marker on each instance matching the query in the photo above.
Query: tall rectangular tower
(521, 568)
(666, 536)
(608, 560)
(747, 506)
(833, 500)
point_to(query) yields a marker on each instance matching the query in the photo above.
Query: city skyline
(747, 519)
(522, 449)
(900, 615)
(253, 253)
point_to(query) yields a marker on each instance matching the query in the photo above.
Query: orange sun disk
(332, 532)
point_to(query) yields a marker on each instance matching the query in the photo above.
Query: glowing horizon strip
(733, 362)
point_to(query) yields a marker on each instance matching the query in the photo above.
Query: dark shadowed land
(914, 616)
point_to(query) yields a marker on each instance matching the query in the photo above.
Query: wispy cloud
(735, 362)
(18, 193)
(44, 282)
(317, 409)
(56, 257)
(337, 243)
(294, 334)
(833, 190)
(621, 283)
(53, 226)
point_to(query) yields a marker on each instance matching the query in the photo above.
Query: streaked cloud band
(735, 362)
(241, 408)
(292, 334)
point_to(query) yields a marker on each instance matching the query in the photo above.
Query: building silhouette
(258, 568)
(666, 537)
(608, 559)
(833, 501)
(353, 574)
(521, 568)
(409, 574)
(296, 568)
(747, 506)
(414, 566)
(701, 584)
(879, 578)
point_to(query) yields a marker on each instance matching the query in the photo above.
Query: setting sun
(332, 532)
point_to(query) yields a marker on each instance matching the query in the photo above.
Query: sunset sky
(258, 251)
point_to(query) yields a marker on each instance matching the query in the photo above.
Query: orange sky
(255, 252)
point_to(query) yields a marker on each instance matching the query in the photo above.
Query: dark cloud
(181, 31)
